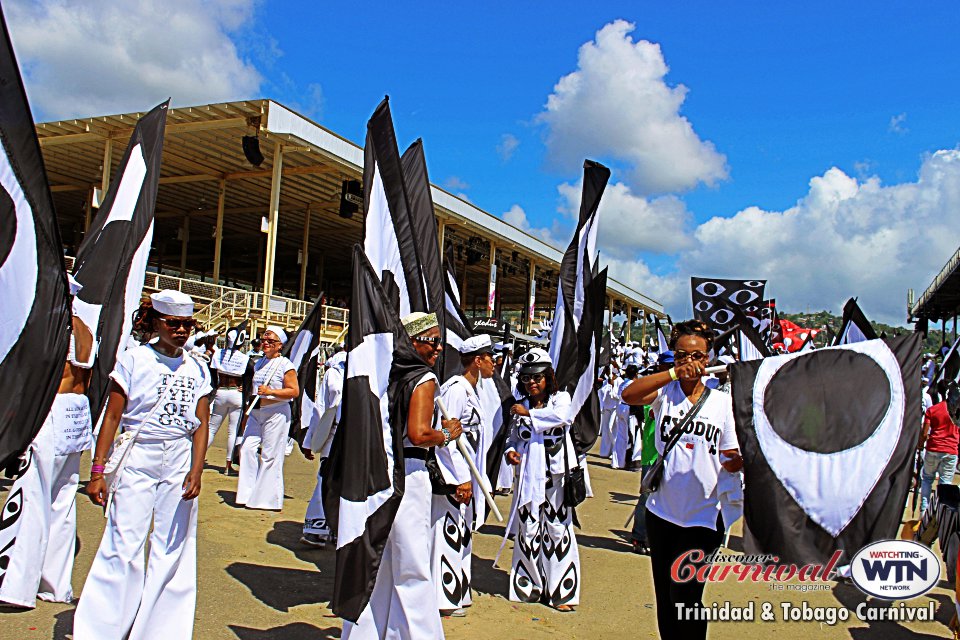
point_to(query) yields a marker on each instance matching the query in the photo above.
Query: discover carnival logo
(895, 569)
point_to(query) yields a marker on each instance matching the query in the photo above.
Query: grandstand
(263, 241)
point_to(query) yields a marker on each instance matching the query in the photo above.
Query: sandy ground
(256, 582)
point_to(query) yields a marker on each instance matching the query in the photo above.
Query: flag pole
(473, 466)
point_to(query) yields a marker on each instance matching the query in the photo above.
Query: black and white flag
(389, 240)
(112, 261)
(363, 480)
(854, 327)
(574, 342)
(663, 343)
(746, 295)
(828, 440)
(305, 351)
(35, 326)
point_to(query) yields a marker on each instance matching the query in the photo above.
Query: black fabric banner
(828, 440)
(747, 295)
(35, 331)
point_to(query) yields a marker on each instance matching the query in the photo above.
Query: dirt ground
(257, 582)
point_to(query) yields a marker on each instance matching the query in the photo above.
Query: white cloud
(518, 218)
(630, 223)
(508, 144)
(455, 183)
(846, 237)
(90, 57)
(897, 124)
(617, 104)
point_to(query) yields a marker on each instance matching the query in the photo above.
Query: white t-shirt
(230, 362)
(687, 496)
(275, 369)
(145, 375)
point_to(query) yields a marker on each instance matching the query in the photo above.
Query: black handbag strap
(678, 430)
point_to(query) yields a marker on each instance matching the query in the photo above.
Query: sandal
(564, 608)
(640, 548)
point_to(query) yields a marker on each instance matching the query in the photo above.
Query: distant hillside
(820, 319)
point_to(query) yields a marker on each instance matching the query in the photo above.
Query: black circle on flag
(743, 297)
(851, 388)
(8, 225)
(711, 289)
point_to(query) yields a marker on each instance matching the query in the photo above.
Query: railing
(220, 307)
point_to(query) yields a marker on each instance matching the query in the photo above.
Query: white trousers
(260, 482)
(452, 551)
(315, 520)
(120, 600)
(626, 426)
(608, 418)
(546, 559)
(227, 405)
(403, 605)
(38, 525)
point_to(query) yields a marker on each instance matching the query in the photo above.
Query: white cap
(535, 360)
(477, 344)
(172, 303)
(277, 331)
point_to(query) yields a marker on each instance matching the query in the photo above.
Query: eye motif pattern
(567, 588)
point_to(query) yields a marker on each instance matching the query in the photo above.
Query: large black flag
(389, 240)
(424, 225)
(747, 295)
(35, 324)
(828, 438)
(363, 480)
(854, 327)
(112, 261)
(304, 352)
(573, 343)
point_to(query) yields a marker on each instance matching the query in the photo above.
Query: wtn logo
(902, 569)
(895, 569)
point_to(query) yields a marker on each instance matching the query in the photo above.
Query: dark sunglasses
(177, 323)
(434, 342)
(696, 355)
(268, 341)
(531, 377)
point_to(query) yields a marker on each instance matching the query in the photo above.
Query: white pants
(622, 437)
(315, 520)
(260, 484)
(403, 605)
(608, 418)
(119, 598)
(38, 525)
(452, 551)
(546, 559)
(227, 405)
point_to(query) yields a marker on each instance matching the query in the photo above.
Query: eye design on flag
(18, 272)
(743, 297)
(711, 289)
(704, 305)
(754, 284)
(811, 451)
(722, 316)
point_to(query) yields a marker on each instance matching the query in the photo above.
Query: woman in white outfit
(39, 531)
(546, 559)
(264, 444)
(159, 393)
(234, 372)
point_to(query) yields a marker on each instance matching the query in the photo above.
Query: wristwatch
(446, 436)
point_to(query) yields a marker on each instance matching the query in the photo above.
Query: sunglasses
(434, 342)
(177, 323)
(268, 341)
(696, 355)
(531, 377)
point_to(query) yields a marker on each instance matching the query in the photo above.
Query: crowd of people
(661, 416)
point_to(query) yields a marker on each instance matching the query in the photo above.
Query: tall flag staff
(35, 331)
(112, 260)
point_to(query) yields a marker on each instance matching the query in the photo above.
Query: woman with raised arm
(683, 513)
(158, 395)
(546, 560)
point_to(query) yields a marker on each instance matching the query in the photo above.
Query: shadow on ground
(293, 631)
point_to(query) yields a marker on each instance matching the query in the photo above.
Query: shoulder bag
(651, 479)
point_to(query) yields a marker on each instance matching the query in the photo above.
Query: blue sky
(813, 145)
